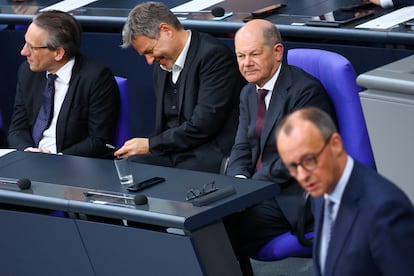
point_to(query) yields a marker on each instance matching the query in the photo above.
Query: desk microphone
(140, 199)
(218, 11)
(22, 183)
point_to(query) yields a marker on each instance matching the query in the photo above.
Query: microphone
(140, 200)
(218, 11)
(22, 183)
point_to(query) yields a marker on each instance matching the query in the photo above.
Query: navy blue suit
(373, 232)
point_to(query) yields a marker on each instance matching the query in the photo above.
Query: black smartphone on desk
(338, 17)
(145, 184)
(264, 12)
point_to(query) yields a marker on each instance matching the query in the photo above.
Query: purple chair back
(123, 131)
(338, 77)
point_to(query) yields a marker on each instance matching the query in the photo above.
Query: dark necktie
(260, 118)
(261, 110)
(46, 110)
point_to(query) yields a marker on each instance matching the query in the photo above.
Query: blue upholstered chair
(123, 131)
(339, 78)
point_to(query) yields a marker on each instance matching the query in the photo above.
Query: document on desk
(195, 5)
(390, 19)
(5, 151)
(68, 5)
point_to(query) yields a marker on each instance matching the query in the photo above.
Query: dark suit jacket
(373, 232)
(208, 105)
(294, 89)
(89, 113)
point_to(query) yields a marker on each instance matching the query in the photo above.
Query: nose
(302, 174)
(150, 59)
(247, 61)
(25, 50)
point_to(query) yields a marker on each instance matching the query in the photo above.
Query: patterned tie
(327, 228)
(261, 110)
(260, 118)
(46, 110)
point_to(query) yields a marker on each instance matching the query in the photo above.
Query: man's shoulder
(89, 65)
(375, 186)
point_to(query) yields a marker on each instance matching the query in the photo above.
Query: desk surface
(59, 182)
(112, 14)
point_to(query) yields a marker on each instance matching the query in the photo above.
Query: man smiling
(197, 86)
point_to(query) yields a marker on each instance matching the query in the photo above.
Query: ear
(278, 50)
(166, 28)
(59, 54)
(336, 143)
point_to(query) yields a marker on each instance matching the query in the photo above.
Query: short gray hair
(145, 19)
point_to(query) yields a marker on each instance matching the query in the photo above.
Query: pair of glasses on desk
(207, 188)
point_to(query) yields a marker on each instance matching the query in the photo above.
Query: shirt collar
(65, 72)
(271, 83)
(337, 193)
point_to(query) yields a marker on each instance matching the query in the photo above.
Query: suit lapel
(191, 56)
(347, 214)
(276, 105)
(67, 103)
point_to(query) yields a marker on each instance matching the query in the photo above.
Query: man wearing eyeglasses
(197, 86)
(364, 224)
(77, 111)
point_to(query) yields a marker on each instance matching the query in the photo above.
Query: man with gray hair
(197, 87)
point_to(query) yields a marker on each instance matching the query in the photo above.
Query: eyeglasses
(34, 48)
(196, 192)
(309, 163)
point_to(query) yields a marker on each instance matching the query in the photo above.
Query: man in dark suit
(197, 86)
(259, 53)
(364, 224)
(85, 103)
(392, 3)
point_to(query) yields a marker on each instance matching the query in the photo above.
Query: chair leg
(246, 266)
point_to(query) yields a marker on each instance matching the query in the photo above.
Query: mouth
(311, 187)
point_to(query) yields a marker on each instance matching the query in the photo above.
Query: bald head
(259, 51)
(260, 28)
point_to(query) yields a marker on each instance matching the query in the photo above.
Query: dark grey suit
(88, 117)
(294, 89)
(373, 232)
(208, 97)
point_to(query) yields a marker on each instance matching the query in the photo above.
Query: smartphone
(144, 184)
(338, 17)
(264, 12)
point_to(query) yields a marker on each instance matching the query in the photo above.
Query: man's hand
(376, 2)
(132, 147)
(37, 150)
